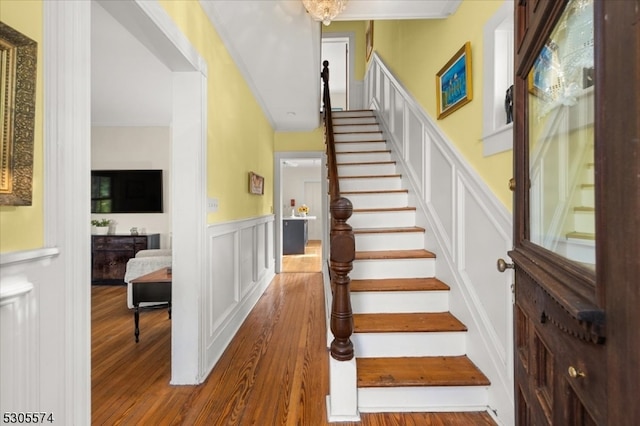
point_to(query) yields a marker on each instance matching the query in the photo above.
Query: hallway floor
(310, 261)
(274, 372)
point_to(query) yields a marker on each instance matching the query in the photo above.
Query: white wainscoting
(21, 276)
(240, 266)
(467, 227)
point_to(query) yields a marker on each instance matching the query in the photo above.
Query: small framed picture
(369, 40)
(544, 80)
(256, 184)
(453, 82)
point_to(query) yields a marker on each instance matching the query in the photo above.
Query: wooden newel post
(325, 72)
(343, 249)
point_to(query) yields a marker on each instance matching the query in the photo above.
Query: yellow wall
(416, 50)
(22, 228)
(358, 29)
(314, 140)
(240, 138)
(300, 141)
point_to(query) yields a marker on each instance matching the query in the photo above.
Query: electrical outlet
(212, 205)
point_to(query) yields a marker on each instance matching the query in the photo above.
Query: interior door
(577, 210)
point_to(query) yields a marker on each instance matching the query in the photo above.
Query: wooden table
(152, 287)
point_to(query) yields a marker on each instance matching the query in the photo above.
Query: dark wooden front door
(577, 212)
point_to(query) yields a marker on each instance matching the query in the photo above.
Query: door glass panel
(561, 138)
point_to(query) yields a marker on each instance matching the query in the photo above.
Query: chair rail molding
(467, 227)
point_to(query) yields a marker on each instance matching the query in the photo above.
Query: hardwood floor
(275, 371)
(310, 261)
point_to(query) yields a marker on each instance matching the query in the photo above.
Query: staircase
(580, 244)
(410, 350)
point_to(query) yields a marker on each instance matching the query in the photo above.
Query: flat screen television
(126, 191)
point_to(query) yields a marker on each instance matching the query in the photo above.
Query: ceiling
(275, 44)
(129, 86)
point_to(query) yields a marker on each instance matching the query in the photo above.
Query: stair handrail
(342, 245)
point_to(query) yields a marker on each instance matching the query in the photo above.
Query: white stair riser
(587, 196)
(390, 241)
(354, 137)
(393, 268)
(428, 398)
(354, 120)
(584, 222)
(400, 218)
(374, 345)
(370, 302)
(589, 176)
(350, 128)
(379, 200)
(375, 169)
(365, 157)
(360, 146)
(370, 184)
(583, 251)
(344, 114)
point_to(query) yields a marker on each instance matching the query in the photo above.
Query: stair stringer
(489, 345)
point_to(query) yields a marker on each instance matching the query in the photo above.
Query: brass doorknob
(574, 373)
(512, 184)
(503, 265)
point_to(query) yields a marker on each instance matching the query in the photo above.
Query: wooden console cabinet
(110, 253)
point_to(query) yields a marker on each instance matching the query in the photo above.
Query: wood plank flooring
(310, 261)
(275, 371)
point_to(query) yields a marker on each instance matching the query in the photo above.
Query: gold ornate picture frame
(369, 40)
(454, 86)
(18, 69)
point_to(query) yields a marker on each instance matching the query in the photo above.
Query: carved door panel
(577, 210)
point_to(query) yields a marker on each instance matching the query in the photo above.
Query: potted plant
(101, 226)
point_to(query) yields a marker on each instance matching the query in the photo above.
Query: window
(498, 77)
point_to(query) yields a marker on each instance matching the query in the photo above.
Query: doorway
(336, 51)
(299, 181)
(188, 167)
(307, 257)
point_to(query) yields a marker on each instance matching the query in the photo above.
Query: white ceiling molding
(359, 10)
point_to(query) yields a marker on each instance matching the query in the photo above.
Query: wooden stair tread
(385, 209)
(369, 176)
(407, 322)
(419, 371)
(348, 111)
(582, 235)
(355, 124)
(380, 151)
(398, 284)
(387, 230)
(367, 141)
(379, 191)
(366, 163)
(394, 254)
(366, 132)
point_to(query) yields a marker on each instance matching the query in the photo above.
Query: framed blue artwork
(453, 82)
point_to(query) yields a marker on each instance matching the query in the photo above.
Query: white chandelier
(324, 10)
